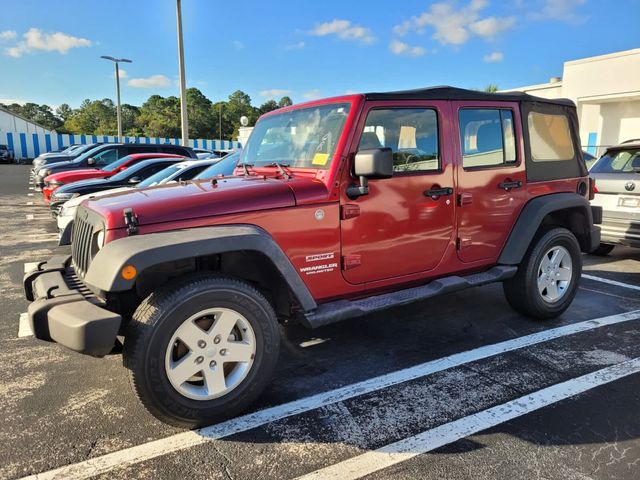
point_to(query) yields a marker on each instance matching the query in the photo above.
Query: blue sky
(49, 50)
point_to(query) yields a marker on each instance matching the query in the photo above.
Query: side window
(411, 133)
(190, 173)
(487, 137)
(106, 157)
(550, 137)
(151, 170)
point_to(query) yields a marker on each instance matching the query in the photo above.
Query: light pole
(183, 87)
(118, 109)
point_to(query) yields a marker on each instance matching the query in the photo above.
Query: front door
(490, 177)
(405, 223)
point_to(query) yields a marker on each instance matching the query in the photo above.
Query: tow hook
(131, 221)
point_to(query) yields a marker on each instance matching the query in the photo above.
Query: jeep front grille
(82, 243)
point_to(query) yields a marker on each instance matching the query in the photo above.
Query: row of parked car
(80, 172)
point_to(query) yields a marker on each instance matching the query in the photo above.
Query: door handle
(508, 185)
(434, 193)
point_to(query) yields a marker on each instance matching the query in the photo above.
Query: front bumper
(64, 310)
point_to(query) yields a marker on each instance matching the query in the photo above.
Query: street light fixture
(118, 109)
(183, 86)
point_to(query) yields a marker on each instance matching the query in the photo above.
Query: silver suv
(617, 186)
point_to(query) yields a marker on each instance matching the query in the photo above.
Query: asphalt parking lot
(458, 387)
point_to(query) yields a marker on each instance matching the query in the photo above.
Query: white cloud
(274, 92)
(454, 26)
(491, 26)
(35, 40)
(344, 30)
(295, 46)
(154, 81)
(401, 48)
(311, 94)
(238, 45)
(562, 10)
(494, 57)
(122, 72)
(8, 35)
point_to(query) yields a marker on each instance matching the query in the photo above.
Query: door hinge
(351, 261)
(349, 210)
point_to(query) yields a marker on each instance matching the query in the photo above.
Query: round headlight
(100, 239)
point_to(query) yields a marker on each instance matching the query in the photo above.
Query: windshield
(158, 177)
(225, 166)
(618, 161)
(113, 166)
(304, 138)
(88, 153)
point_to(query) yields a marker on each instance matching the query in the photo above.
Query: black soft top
(453, 93)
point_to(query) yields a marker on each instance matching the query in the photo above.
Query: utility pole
(183, 87)
(118, 108)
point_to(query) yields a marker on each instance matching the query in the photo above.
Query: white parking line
(611, 282)
(429, 440)
(29, 216)
(29, 194)
(140, 453)
(24, 329)
(28, 266)
(29, 204)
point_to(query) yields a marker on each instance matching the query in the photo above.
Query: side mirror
(135, 180)
(91, 161)
(371, 163)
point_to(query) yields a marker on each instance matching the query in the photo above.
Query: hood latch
(131, 221)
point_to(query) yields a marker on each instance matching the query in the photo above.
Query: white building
(10, 122)
(606, 90)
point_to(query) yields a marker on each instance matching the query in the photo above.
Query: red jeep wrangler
(339, 207)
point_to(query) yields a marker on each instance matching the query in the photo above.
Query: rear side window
(550, 137)
(487, 137)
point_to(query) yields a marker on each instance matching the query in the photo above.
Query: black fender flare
(532, 216)
(144, 251)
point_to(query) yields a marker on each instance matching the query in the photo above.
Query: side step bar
(339, 310)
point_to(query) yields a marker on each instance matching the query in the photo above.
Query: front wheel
(548, 276)
(201, 350)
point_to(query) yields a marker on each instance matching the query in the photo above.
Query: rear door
(490, 177)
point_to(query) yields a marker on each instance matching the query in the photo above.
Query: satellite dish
(244, 121)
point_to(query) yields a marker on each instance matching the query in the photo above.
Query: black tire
(153, 325)
(522, 292)
(603, 249)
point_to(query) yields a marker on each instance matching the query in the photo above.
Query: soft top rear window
(550, 137)
(552, 146)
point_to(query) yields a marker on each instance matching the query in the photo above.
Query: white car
(180, 171)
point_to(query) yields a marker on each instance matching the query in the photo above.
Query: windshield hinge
(131, 221)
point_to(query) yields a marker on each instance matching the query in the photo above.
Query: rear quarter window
(550, 137)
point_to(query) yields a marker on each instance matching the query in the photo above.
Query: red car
(339, 208)
(55, 180)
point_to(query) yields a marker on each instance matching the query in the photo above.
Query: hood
(74, 202)
(57, 165)
(199, 199)
(79, 174)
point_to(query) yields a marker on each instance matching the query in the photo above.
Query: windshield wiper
(285, 173)
(246, 167)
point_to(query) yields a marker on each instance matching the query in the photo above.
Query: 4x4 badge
(630, 186)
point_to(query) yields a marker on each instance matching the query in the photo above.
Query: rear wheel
(201, 350)
(603, 249)
(548, 276)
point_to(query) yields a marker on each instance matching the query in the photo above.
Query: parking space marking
(29, 216)
(611, 282)
(28, 266)
(157, 448)
(429, 440)
(29, 204)
(29, 194)
(24, 329)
